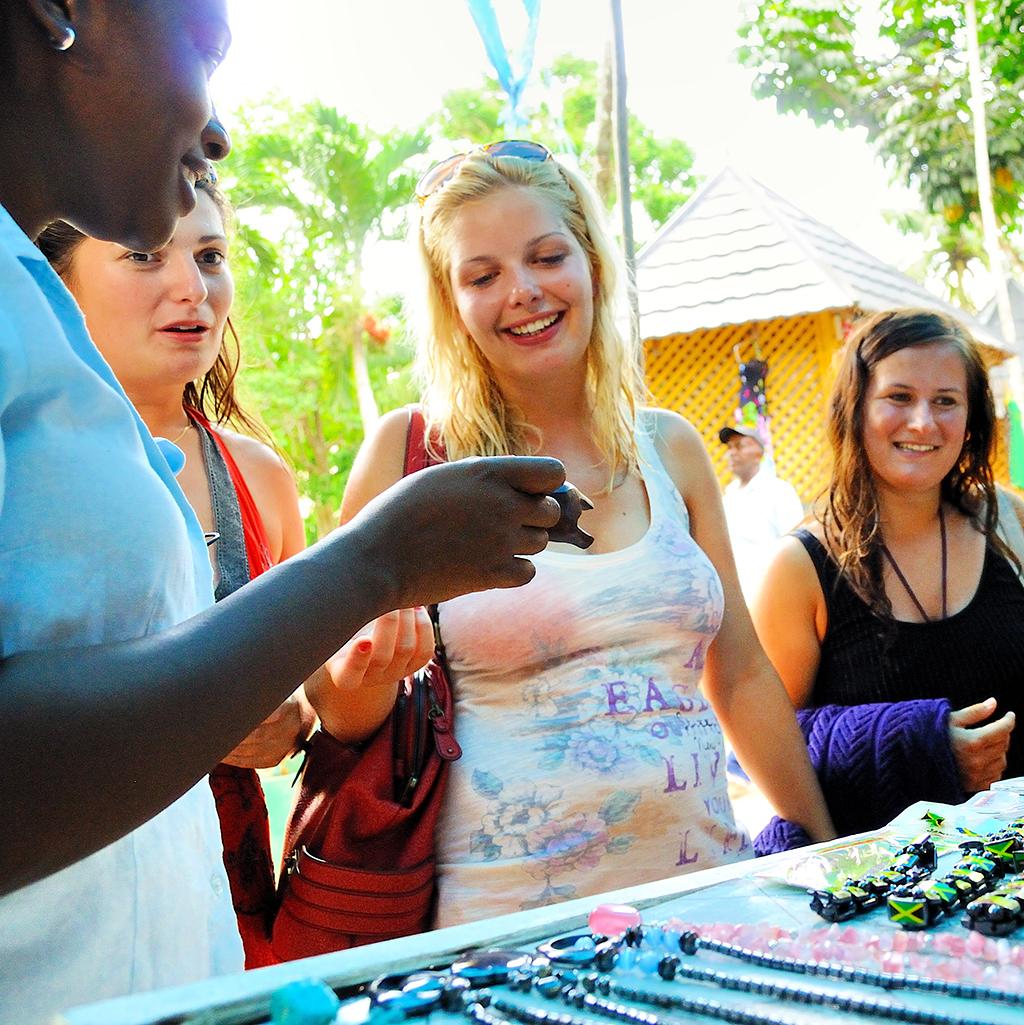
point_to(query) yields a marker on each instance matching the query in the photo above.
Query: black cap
(739, 431)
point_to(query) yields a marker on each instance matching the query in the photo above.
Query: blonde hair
(464, 407)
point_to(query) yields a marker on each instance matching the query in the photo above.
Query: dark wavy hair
(213, 394)
(850, 515)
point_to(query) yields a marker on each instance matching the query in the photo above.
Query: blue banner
(512, 80)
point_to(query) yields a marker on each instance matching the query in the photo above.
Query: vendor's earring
(63, 38)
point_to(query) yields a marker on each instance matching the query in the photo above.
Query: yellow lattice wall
(696, 374)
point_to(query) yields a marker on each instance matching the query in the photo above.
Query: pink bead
(750, 936)
(974, 944)
(919, 964)
(970, 971)
(899, 941)
(1008, 978)
(892, 962)
(849, 935)
(613, 919)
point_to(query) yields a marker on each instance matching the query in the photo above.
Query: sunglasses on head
(444, 170)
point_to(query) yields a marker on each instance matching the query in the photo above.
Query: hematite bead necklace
(691, 942)
(604, 954)
(480, 1011)
(671, 968)
(481, 1007)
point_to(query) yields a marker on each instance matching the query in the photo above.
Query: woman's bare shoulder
(379, 463)
(670, 429)
(255, 458)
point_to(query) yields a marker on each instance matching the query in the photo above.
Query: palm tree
(323, 187)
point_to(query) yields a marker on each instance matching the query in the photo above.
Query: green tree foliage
(949, 252)
(321, 187)
(565, 117)
(907, 85)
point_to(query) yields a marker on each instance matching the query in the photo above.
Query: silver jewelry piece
(65, 40)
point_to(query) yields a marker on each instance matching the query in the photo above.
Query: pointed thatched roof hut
(740, 271)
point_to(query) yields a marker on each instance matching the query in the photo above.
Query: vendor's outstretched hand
(980, 751)
(461, 526)
(357, 687)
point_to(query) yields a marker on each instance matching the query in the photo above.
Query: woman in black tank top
(896, 617)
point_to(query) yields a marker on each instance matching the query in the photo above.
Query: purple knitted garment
(872, 762)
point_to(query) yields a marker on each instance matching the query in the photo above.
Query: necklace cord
(906, 583)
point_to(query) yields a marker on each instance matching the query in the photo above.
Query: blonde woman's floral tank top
(591, 760)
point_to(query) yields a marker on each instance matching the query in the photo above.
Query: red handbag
(359, 848)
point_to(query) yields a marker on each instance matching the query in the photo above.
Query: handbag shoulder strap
(418, 453)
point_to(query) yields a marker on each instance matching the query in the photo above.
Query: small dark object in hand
(572, 502)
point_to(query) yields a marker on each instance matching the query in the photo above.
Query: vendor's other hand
(462, 526)
(278, 736)
(980, 751)
(357, 689)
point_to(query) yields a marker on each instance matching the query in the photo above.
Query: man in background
(759, 507)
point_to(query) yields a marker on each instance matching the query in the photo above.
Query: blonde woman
(588, 706)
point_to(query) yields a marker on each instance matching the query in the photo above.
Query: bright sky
(386, 63)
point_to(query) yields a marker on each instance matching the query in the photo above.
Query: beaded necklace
(690, 943)
(467, 989)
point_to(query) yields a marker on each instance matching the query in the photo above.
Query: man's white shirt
(758, 513)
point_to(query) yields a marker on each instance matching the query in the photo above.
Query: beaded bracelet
(858, 896)
(922, 905)
(998, 913)
(986, 860)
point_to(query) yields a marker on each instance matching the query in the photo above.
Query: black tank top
(969, 656)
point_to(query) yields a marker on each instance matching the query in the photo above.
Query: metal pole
(622, 162)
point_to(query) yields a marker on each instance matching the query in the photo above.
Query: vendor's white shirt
(758, 514)
(97, 544)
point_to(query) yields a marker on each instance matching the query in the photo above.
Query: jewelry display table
(761, 905)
